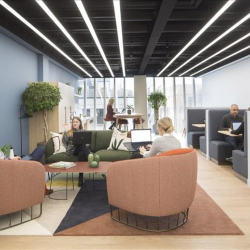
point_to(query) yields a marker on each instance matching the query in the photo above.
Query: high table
(80, 167)
(126, 116)
(202, 125)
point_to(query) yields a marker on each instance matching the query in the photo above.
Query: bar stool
(123, 122)
(136, 121)
(105, 120)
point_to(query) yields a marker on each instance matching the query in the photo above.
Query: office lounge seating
(160, 188)
(22, 186)
(195, 116)
(240, 158)
(219, 150)
(203, 146)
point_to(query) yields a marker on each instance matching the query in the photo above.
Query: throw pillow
(117, 140)
(58, 145)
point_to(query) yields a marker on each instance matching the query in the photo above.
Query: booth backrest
(245, 134)
(195, 116)
(213, 123)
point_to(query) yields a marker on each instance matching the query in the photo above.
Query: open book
(62, 165)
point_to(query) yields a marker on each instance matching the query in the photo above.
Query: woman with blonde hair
(80, 150)
(161, 144)
(110, 113)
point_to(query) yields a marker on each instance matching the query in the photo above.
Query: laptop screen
(141, 135)
(236, 125)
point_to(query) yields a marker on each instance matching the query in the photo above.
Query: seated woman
(110, 113)
(80, 150)
(161, 144)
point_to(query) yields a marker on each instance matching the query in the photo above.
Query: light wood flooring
(230, 193)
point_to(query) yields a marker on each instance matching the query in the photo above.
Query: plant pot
(155, 129)
(129, 111)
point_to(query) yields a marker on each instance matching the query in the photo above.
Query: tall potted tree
(156, 100)
(41, 96)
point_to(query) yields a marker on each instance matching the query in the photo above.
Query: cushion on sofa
(113, 155)
(117, 140)
(58, 145)
(220, 150)
(102, 139)
(61, 157)
(178, 151)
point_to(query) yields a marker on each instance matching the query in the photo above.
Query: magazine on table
(62, 165)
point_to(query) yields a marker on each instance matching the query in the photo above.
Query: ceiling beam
(164, 13)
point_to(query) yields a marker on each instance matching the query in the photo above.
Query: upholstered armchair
(153, 193)
(22, 185)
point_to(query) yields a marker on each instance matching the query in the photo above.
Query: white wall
(228, 85)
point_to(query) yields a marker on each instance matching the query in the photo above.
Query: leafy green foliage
(129, 107)
(41, 96)
(6, 148)
(115, 146)
(156, 100)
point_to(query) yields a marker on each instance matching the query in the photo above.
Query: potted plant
(41, 96)
(156, 100)
(79, 90)
(4, 151)
(129, 109)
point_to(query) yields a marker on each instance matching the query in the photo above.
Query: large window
(90, 89)
(169, 92)
(150, 89)
(99, 101)
(179, 85)
(159, 87)
(198, 91)
(119, 101)
(130, 89)
(189, 89)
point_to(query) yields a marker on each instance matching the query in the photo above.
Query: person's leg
(136, 155)
(112, 125)
(82, 152)
(232, 141)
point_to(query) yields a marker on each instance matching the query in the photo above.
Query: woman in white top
(161, 144)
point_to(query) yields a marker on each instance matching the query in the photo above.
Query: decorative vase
(90, 159)
(129, 111)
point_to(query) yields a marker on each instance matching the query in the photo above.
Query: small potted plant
(129, 109)
(79, 90)
(156, 100)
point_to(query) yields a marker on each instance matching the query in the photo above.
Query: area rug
(89, 215)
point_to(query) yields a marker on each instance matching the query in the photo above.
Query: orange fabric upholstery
(176, 151)
(21, 185)
(155, 186)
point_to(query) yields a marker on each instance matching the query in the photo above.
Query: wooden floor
(230, 193)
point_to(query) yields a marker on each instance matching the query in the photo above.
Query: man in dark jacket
(227, 122)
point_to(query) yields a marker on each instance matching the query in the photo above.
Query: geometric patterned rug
(89, 215)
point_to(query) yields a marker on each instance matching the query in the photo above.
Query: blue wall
(18, 66)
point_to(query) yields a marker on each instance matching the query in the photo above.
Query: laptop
(139, 137)
(82, 137)
(236, 125)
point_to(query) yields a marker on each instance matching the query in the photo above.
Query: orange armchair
(161, 188)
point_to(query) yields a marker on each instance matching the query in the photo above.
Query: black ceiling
(153, 33)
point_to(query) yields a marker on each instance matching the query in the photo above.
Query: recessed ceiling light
(12, 11)
(212, 20)
(66, 33)
(217, 53)
(235, 53)
(214, 41)
(92, 31)
(118, 19)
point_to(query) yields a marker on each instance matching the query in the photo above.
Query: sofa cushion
(240, 164)
(61, 157)
(57, 141)
(178, 151)
(193, 138)
(113, 155)
(203, 144)
(117, 140)
(102, 140)
(220, 150)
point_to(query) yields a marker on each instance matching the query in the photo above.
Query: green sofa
(99, 144)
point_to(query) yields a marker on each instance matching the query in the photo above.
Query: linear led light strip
(66, 33)
(214, 41)
(5, 5)
(213, 19)
(237, 52)
(217, 53)
(118, 19)
(92, 31)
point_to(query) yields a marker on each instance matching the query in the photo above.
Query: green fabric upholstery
(99, 144)
(61, 157)
(113, 155)
(102, 140)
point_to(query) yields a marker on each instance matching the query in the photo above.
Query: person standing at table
(110, 113)
(80, 150)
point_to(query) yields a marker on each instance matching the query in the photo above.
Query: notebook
(62, 165)
(139, 137)
(82, 137)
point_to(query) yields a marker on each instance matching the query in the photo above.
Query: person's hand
(142, 150)
(65, 126)
(230, 130)
(16, 158)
